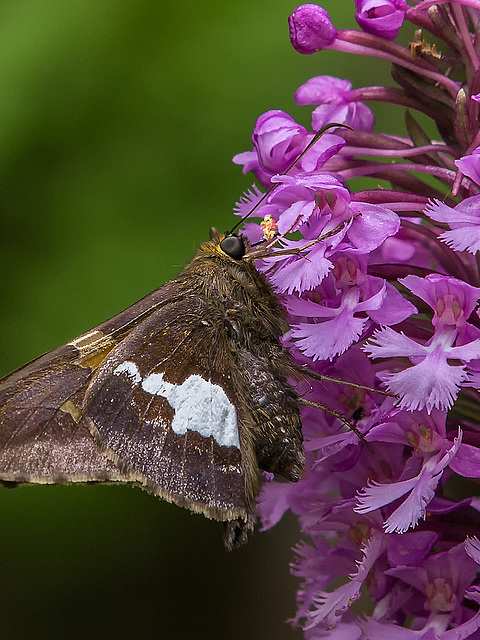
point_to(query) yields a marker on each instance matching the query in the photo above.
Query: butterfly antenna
(313, 141)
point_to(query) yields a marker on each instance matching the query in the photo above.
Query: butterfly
(186, 394)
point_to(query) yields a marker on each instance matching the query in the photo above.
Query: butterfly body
(185, 394)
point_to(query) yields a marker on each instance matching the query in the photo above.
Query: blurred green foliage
(118, 121)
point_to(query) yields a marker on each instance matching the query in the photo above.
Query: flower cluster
(382, 288)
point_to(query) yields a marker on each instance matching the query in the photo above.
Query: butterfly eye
(233, 246)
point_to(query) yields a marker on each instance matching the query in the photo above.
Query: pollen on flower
(270, 227)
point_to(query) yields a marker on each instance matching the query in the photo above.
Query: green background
(118, 121)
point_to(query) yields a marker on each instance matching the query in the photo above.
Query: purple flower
(310, 28)
(463, 220)
(441, 582)
(355, 114)
(421, 489)
(432, 381)
(311, 203)
(381, 17)
(452, 300)
(320, 89)
(278, 140)
(289, 274)
(330, 605)
(470, 166)
(316, 205)
(337, 326)
(335, 103)
(382, 288)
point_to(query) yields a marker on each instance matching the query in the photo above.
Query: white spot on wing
(131, 369)
(199, 406)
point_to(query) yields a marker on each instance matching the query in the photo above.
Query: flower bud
(311, 29)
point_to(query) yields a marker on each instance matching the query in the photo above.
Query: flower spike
(382, 290)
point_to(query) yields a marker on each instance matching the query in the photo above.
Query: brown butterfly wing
(159, 405)
(43, 436)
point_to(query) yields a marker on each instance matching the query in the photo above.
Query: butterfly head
(233, 246)
(229, 244)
